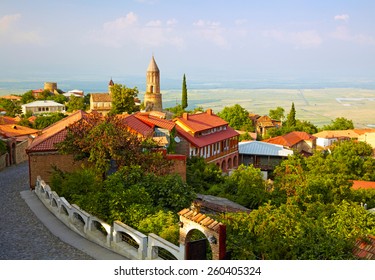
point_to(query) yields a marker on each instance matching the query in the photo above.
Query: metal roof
(262, 149)
(40, 103)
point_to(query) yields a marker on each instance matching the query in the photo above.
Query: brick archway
(214, 231)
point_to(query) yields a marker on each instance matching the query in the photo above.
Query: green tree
(47, 120)
(202, 176)
(3, 147)
(277, 114)
(177, 110)
(123, 99)
(184, 102)
(315, 231)
(25, 122)
(12, 108)
(168, 191)
(246, 186)
(59, 98)
(291, 118)
(305, 126)
(237, 117)
(128, 201)
(27, 97)
(76, 103)
(340, 123)
(163, 223)
(114, 145)
(44, 95)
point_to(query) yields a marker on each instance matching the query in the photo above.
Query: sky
(208, 40)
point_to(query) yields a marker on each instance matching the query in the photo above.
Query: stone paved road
(22, 235)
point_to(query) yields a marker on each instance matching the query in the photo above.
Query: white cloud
(343, 17)
(212, 31)
(154, 23)
(343, 33)
(7, 20)
(171, 22)
(11, 34)
(129, 30)
(121, 23)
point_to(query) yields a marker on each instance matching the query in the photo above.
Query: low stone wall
(119, 238)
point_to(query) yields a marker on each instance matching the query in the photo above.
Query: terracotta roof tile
(207, 139)
(349, 133)
(201, 219)
(364, 130)
(54, 133)
(7, 120)
(12, 97)
(137, 125)
(364, 185)
(265, 121)
(101, 97)
(155, 121)
(200, 122)
(364, 248)
(290, 139)
(12, 130)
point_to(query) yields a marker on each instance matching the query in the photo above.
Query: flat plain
(319, 106)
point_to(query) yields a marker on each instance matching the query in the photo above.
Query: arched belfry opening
(201, 235)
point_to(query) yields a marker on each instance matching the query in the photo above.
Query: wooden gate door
(196, 250)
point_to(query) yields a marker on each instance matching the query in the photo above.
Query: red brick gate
(214, 231)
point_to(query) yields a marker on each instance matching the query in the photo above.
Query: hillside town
(223, 168)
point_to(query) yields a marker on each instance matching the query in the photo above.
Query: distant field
(318, 106)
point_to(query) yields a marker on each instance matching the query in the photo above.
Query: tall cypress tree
(184, 102)
(291, 120)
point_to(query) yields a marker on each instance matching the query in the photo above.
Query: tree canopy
(123, 99)
(340, 123)
(113, 145)
(44, 121)
(277, 114)
(237, 117)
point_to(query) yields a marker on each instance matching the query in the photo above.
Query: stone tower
(153, 100)
(110, 85)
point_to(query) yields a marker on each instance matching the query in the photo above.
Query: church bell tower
(153, 100)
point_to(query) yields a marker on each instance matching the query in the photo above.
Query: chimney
(185, 116)
(209, 112)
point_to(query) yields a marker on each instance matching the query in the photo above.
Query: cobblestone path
(22, 235)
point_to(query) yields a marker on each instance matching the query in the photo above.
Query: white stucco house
(42, 107)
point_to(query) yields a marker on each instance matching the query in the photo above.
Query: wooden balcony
(222, 154)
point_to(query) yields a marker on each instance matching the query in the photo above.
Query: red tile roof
(155, 121)
(290, 139)
(207, 139)
(7, 120)
(364, 130)
(363, 185)
(265, 121)
(364, 248)
(12, 97)
(200, 122)
(349, 133)
(13, 130)
(136, 125)
(201, 219)
(54, 134)
(101, 97)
